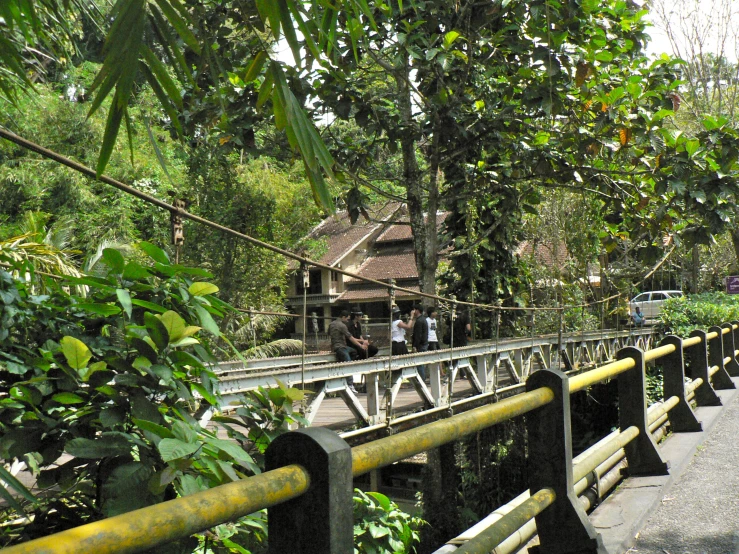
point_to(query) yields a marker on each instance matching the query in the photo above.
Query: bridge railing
(307, 487)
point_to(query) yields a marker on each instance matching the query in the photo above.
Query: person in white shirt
(433, 328)
(397, 335)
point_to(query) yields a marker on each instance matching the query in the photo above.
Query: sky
(709, 15)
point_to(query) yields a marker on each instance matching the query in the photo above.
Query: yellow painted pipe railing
(168, 521)
(509, 523)
(388, 450)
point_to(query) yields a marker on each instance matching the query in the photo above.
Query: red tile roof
(389, 263)
(341, 236)
(553, 256)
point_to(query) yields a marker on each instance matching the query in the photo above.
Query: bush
(381, 527)
(108, 371)
(681, 316)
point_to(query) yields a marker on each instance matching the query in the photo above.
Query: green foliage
(381, 527)
(93, 213)
(492, 466)
(258, 198)
(683, 315)
(109, 379)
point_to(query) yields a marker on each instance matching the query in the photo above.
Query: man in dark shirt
(340, 336)
(461, 329)
(420, 339)
(355, 328)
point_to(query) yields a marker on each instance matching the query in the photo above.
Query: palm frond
(274, 349)
(24, 257)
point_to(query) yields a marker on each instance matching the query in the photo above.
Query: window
(314, 287)
(658, 296)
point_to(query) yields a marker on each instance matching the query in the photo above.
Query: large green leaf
(201, 288)
(9, 479)
(155, 428)
(303, 137)
(106, 446)
(174, 324)
(100, 309)
(157, 331)
(173, 449)
(207, 321)
(114, 259)
(67, 398)
(179, 22)
(148, 305)
(154, 252)
(76, 352)
(230, 448)
(124, 297)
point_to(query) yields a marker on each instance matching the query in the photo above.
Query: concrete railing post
(321, 520)
(642, 453)
(721, 379)
(732, 367)
(698, 369)
(563, 527)
(682, 417)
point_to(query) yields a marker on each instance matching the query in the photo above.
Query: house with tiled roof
(379, 248)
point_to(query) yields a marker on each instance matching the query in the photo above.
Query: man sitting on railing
(355, 328)
(339, 334)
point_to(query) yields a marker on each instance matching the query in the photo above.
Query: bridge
(493, 368)
(311, 471)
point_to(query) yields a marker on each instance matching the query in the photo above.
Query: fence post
(563, 527)
(720, 379)
(642, 453)
(320, 520)
(732, 368)
(682, 417)
(698, 369)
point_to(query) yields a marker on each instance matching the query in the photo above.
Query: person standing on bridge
(433, 328)
(397, 334)
(420, 336)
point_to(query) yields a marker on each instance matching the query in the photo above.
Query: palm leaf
(274, 349)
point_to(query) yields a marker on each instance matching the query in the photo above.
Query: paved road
(700, 514)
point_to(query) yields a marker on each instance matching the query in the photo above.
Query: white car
(650, 303)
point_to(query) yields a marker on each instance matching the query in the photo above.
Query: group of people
(348, 342)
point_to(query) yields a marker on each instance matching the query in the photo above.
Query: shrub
(681, 316)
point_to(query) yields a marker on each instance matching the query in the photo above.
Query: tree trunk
(440, 491)
(425, 239)
(696, 269)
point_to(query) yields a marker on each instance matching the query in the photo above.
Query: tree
(705, 36)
